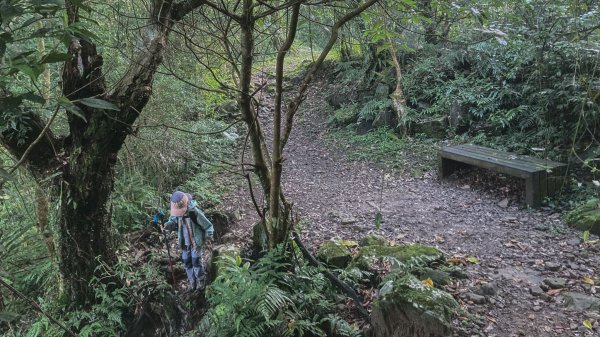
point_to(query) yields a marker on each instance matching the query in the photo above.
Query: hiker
(193, 230)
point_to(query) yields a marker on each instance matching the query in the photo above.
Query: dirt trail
(517, 248)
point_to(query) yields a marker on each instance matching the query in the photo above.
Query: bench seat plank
(539, 174)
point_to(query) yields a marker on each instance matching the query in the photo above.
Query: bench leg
(533, 196)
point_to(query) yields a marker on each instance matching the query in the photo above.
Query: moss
(406, 303)
(373, 240)
(586, 217)
(403, 253)
(335, 254)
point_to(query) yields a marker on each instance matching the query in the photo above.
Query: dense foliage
(273, 297)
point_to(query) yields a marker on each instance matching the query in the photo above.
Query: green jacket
(201, 227)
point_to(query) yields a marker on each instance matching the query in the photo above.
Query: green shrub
(271, 298)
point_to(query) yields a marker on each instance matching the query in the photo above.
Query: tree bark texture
(87, 156)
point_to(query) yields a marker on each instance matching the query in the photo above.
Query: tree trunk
(87, 156)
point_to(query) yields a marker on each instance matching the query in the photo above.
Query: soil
(477, 214)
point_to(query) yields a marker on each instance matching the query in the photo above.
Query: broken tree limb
(334, 279)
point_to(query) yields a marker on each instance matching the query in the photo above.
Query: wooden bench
(542, 177)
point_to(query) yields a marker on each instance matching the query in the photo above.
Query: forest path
(517, 248)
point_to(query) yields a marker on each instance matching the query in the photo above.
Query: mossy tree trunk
(85, 159)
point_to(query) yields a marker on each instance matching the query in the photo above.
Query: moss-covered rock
(260, 241)
(373, 240)
(586, 217)
(334, 253)
(439, 277)
(403, 253)
(221, 255)
(408, 308)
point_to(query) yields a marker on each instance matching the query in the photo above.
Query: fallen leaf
(553, 292)
(456, 260)
(588, 324)
(588, 280)
(428, 282)
(473, 259)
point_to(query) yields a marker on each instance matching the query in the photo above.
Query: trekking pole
(157, 217)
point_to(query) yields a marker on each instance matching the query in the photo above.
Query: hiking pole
(157, 217)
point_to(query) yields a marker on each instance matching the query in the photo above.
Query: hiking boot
(200, 284)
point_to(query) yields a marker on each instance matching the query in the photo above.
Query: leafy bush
(271, 298)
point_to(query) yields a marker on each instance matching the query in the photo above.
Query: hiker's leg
(197, 264)
(187, 258)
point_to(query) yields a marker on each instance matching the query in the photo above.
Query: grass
(410, 156)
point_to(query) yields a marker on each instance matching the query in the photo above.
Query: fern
(270, 298)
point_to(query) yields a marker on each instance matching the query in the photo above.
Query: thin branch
(37, 140)
(37, 307)
(331, 277)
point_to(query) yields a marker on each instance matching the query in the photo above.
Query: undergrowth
(411, 156)
(273, 297)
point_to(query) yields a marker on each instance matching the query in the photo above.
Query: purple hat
(179, 202)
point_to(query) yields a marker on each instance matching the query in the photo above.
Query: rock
(459, 273)
(581, 302)
(343, 116)
(260, 241)
(477, 299)
(382, 91)
(335, 254)
(536, 291)
(487, 289)
(503, 203)
(223, 255)
(432, 128)
(574, 242)
(556, 282)
(228, 238)
(228, 108)
(385, 117)
(457, 116)
(586, 217)
(552, 266)
(372, 240)
(439, 277)
(348, 220)
(408, 308)
(398, 254)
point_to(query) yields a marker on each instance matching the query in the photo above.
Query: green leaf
(588, 324)
(27, 70)
(586, 236)
(72, 108)
(99, 104)
(33, 98)
(473, 259)
(54, 57)
(378, 220)
(6, 316)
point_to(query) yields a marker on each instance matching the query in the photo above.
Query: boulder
(334, 253)
(439, 277)
(221, 255)
(398, 254)
(408, 308)
(372, 240)
(581, 302)
(586, 217)
(432, 128)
